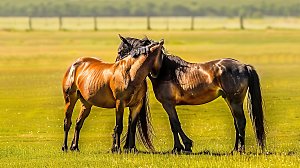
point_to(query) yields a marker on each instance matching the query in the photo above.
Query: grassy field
(32, 65)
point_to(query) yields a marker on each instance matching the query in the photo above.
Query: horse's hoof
(131, 150)
(238, 151)
(187, 152)
(64, 148)
(115, 150)
(74, 148)
(241, 150)
(188, 147)
(177, 149)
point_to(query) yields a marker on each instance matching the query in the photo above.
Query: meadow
(32, 64)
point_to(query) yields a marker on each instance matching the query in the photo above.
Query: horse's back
(90, 69)
(91, 77)
(92, 61)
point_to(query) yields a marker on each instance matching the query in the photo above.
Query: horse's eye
(123, 52)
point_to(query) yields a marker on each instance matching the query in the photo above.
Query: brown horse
(178, 82)
(111, 85)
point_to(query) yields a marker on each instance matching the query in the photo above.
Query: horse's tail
(255, 107)
(69, 78)
(144, 124)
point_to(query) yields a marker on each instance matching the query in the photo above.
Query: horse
(111, 85)
(178, 82)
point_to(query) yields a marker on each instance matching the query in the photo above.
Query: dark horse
(111, 85)
(178, 82)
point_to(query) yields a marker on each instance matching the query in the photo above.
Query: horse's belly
(104, 103)
(101, 98)
(170, 92)
(197, 98)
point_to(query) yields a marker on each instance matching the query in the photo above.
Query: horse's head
(134, 47)
(129, 43)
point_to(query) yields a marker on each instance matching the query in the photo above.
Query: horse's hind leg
(240, 124)
(84, 113)
(234, 83)
(70, 101)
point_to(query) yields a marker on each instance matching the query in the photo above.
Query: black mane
(176, 59)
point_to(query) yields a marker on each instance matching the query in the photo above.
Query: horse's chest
(125, 87)
(126, 90)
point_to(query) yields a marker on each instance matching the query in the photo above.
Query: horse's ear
(123, 39)
(161, 42)
(145, 38)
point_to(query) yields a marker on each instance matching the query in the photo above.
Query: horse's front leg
(130, 138)
(132, 122)
(175, 125)
(119, 127)
(188, 143)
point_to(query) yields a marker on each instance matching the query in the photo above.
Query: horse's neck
(172, 63)
(138, 69)
(175, 69)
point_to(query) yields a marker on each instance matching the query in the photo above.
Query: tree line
(76, 8)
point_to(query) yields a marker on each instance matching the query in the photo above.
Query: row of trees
(229, 8)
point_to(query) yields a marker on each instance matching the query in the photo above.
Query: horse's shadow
(204, 152)
(211, 153)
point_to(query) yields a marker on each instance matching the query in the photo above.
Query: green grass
(32, 65)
